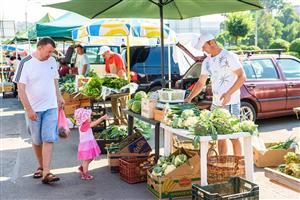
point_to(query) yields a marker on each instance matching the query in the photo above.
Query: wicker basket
(187, 145)
(221, 168)
(131, 171)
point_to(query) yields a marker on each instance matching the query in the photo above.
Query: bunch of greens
(292, 165)
(113, 148)
(93, 88)
(90, 73)
(115, 83)
(113, 132)
(284, 145)
(67, 84)
(167, 164)
(144, 128)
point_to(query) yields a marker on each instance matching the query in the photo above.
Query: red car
(272, 87)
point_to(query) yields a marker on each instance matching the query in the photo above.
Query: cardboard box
(134, 145)
(148, 107)
(271, 158)
(158, 115)
(177, 183)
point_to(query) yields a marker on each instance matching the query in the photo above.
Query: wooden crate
(7, 88)
(283, 179)
(70, 108)
(85, 103)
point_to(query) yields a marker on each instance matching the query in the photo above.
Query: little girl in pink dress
(88, 148)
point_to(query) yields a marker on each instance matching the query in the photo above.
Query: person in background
(19, 57)
(63, 68)
(13, 67)
(84, 65)
(37, 79)
(227, 76)
(113, 62)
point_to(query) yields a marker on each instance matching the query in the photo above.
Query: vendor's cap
(103, 49)
(205, 38)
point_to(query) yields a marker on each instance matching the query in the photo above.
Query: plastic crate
(130, 170)
(171, 95)
(235, 188)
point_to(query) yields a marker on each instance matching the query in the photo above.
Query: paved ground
(18, 163)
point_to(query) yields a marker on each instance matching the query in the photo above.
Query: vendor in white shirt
(227, 76)
(82, 61)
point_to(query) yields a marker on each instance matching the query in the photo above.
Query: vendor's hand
(188, 100)
(32, 115)
(60, 102)
(225, 98)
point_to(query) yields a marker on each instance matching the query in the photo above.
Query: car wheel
(155, 88)
(247, 112)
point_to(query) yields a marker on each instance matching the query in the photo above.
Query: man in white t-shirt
(84, 65)
(227, 76)
(37, 79)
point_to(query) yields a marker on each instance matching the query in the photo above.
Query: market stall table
(132, 115)
(249, 169)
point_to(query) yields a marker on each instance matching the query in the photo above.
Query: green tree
(271, 5)
(239, 25)
(288, 15)
(224, 38)
(295, 46)
(291, 31)
(266, 32)
(279, 44)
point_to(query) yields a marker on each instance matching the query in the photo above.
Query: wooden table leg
(168, 135)
(203, 162)
(248, 151)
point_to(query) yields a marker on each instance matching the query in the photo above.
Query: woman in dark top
(63, 68)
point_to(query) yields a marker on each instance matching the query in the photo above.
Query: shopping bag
(63, 128)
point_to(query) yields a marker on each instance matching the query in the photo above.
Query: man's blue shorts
(45, 128)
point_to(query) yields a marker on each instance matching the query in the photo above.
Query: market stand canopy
(123, 27)
(30, 33)
(169, 9)
(61, 28)
(173, 9)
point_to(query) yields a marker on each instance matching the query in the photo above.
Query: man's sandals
(50, 178)
(38, 173)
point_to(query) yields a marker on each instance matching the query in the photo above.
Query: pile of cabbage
(207, 123)
(167, 164)
(220, 122)
(182, 116)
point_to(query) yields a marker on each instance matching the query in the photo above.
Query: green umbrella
(169, 9)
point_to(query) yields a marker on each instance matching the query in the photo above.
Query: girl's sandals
(38, 173)
(86, 176)
(50, 178)
(80, 168)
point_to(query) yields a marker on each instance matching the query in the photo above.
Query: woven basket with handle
(220, 168)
